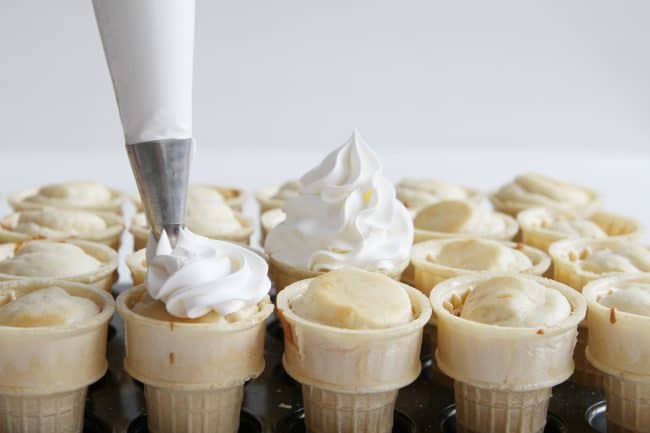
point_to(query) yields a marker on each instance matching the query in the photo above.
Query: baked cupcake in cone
(59, 224)
(352, 339)
(195, 332)
(207, 215)
(274, 197)
(505, 339)
(440, 259)
(78, 261)
(535, 190)
(88, 196)
(619, 346)
(346, 214)
(235, 198)
(453, 218)
(53, 344)
(540, 227)
(578, 262)
(417, 194)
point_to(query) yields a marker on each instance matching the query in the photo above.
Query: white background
(470, 91)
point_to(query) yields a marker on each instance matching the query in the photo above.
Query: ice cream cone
(619, 346)
(628, 404)
(49, 396)
(203, 410)
(283, 275)
(193, 372)
(60, 412)
(350, 377)
(503, 375)
(487, 410)
(331, 411)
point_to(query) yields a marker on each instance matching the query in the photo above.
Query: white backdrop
(472, 91)
(290, 74)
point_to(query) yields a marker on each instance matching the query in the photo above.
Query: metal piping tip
(162, 170)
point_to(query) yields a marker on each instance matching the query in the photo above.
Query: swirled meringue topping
(515, 302)
(346, 214)
(201, 275)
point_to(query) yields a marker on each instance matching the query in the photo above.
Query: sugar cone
(330, 411)
(61, 412)
(181, 411)
(503, 375)
(619, 346)
(628, 404)
(350, 377)
(193, 372)
(485, 410)
(49, 396)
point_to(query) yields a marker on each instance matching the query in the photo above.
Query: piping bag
(149, 47)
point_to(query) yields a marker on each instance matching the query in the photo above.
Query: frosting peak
(201, 275)
(346, 214)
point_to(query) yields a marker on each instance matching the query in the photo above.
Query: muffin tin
(273, 402)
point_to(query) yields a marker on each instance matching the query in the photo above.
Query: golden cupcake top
(207, 214)
(69, 195)
(154, 309)
(352, 298)
(54, 223)
(51, 259)
(417, 193)
(514, 302)
(534, 190)
(478, 255)
(464, 217)
(275, 197)
(594, 256)
(233, 197)
(560, 224)
(629, 297)
(49, 306)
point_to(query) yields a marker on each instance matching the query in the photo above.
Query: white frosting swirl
(346, 214)
(201, 275)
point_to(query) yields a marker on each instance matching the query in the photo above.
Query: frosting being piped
(201, 275)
